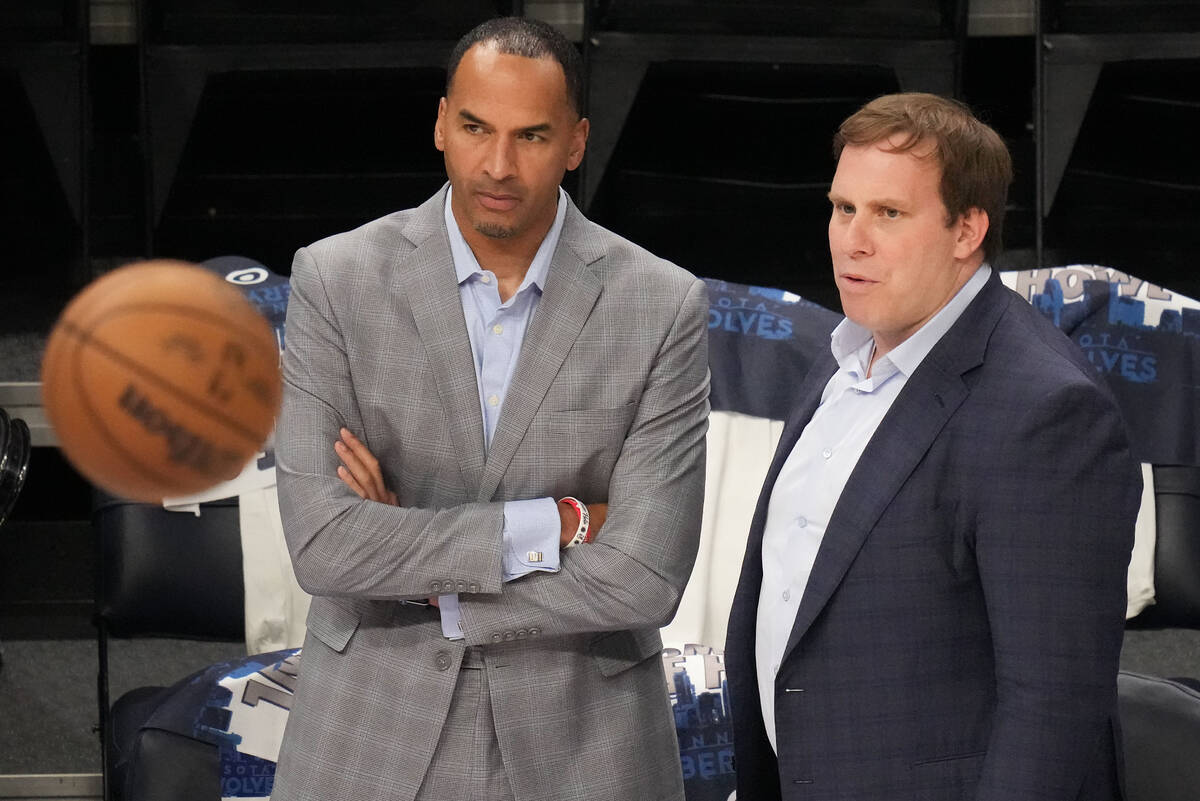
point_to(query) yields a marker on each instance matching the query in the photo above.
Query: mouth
(497, 201)
(855, 280)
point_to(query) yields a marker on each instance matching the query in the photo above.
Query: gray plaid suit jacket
(609, 402)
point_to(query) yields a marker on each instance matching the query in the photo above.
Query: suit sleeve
(341, 544)
(633, 575)
(1052, 546)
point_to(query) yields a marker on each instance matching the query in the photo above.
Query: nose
(851, 236)
(500, 162)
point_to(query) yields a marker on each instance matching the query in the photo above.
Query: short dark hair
(530, 38)
(976, 165)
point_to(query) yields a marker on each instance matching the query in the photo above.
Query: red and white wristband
(583, 533)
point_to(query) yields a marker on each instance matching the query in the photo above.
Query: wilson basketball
(160, 379)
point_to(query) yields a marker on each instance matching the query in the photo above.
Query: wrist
(581, 532)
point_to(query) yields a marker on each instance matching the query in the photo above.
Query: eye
(530, 136)
(844, 208)
(891, 214)
(473, 128)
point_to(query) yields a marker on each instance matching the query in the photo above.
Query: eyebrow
(541, 127)
(882, 203)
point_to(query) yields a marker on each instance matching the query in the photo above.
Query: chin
(495, 230)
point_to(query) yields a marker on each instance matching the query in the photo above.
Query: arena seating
(711, 116)
(43, 139)
(269, 124)
(1117, 95)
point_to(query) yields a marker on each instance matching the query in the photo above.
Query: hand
(360, 470)
(569, 520)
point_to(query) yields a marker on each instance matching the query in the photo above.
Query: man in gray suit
(498, 357)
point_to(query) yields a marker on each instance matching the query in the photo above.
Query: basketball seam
(148, 471)
(86, 338)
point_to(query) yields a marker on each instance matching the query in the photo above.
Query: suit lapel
(924, 405)
(427, 280)
(571, 290)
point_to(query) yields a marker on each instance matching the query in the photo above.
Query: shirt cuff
(451, 617)
(532, 532)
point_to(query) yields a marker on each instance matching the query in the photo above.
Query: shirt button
(801, 521)
(787, 595)
(442, 660)
(486, 278)
(827, 453)
(493, 400)
(775, 668)
(497, 329)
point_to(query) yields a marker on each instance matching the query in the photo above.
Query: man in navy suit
(932, 600)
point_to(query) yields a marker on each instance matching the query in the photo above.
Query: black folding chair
(162, 574)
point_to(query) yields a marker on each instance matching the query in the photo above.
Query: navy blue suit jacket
(960, 632)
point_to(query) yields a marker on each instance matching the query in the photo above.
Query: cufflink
(533, 557)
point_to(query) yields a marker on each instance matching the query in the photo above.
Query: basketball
(160, 380)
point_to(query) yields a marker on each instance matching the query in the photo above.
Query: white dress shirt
(816, 471)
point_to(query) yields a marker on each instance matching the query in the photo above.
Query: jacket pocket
(618, 651)
(957, 774)
(976, 755)
(332, 622)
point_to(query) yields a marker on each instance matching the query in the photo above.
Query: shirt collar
(851, 344)
(466, 265)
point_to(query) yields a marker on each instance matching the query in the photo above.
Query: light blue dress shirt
(812, 479)
(496, 330)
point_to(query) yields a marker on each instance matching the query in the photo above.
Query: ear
(439, 127)
(972, 228)
(579, 136)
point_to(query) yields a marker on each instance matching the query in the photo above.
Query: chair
(161, 574)
(263, 183)
(1176, 550)
(14, 461)
(1160, 721)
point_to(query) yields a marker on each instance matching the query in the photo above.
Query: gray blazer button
(462, 586)
(442, 660)
(496, 638)
(435, 586)
(510, 635)
(534, 632)
(472, 587)
(522, 634)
